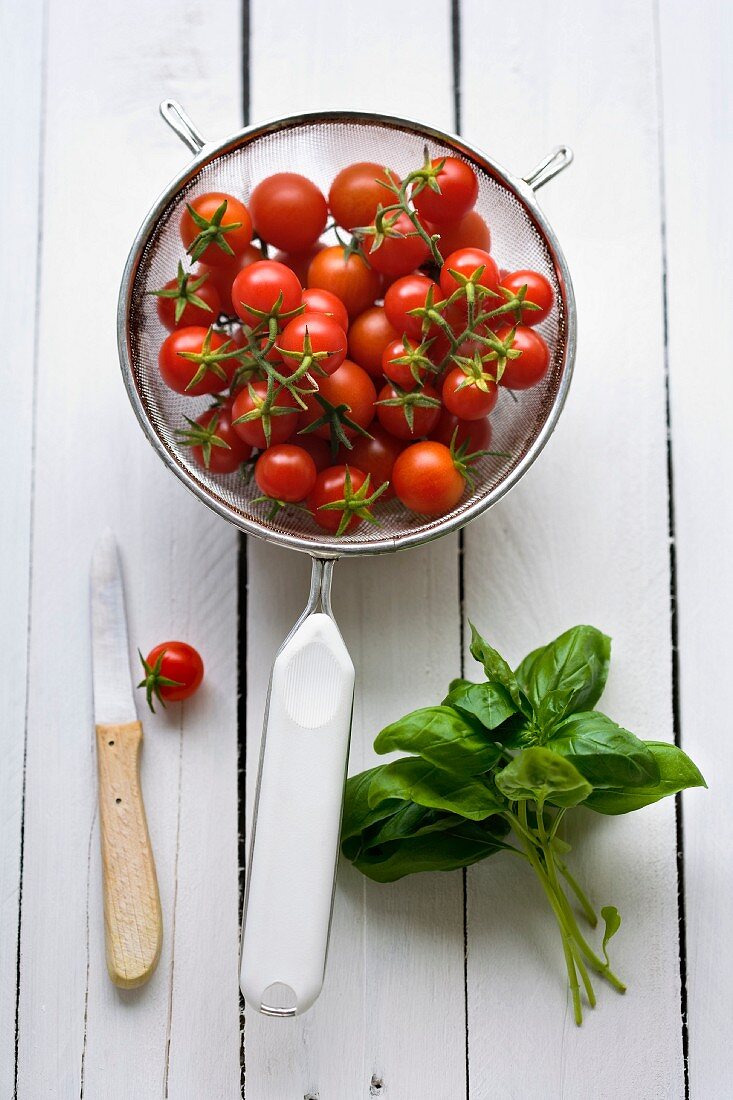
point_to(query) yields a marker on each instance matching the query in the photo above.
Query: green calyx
(336, 418)
(211, 231)
(209, 360)
(474, 369)
(265, 408)
(416, 358)
(203, 436)
(154, 680)
(184, 293)
(408, 401)
(355, 503)
(387, 215)
(464, 460)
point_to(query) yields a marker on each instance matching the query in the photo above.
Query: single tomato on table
(173, 672)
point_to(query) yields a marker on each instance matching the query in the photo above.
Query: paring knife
(132, 916)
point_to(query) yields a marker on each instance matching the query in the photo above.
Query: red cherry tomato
(259, 287)
(375, 456)
(352, 280)
(400, 373)
(288, 211)
(216, 425)
(316, 300)
(356, 192)
(173, 672)
(426, 480)
(393, 419)
(458, 192)
(470, 232)
(531, 366)
(282, 425)
(398, 255)
(330, 487)
(192, 314)
(299, 262)
(222, 274)
(350, 386)
(178, 372)
(317, 448)
(463, 398)
(476, 434)
(466, 261)
(325, 336)
(409, 292)
(285, 472)
(539, 291)
(216, 245)
(368, 337)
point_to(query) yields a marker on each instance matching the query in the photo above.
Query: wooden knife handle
(132, 917)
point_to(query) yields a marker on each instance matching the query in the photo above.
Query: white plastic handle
(292, 863)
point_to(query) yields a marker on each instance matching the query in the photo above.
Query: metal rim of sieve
(522, 188)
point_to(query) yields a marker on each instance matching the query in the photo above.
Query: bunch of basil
(497, 766)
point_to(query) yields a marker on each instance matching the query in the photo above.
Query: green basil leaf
(409, 820)
(604, 753)
(489, 704)
(413, 778)
(542, 775)
(676, 773)
(523, 671)
(358, 812)
(612, 921)
(443, 737)
(496, 668)
(443, 851)
(568, 675)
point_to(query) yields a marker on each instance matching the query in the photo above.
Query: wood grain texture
(132, 918)
(583, 538)
(698, 157)
(390, 1020)
(107, 152)
(21, 66)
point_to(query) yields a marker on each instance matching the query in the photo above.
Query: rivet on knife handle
(132, 916)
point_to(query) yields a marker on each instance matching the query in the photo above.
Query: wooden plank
(21, 66)
(79, 1036)
(698, 154)
(391, 1016)
(584, 539)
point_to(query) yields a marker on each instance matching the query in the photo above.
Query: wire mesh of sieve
(318, 146)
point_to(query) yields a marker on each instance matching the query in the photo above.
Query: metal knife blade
(114, 700)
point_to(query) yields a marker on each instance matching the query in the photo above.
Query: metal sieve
(305, 744)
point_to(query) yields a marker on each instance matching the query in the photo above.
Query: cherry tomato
(282, 425)
(470, 232)
(325, 335)
(375, 456)
(179, 372)
(409, 292)
(352, 280)
(259, 287)
(426, 480)
(330, 487)
(392, 417)
(398, 255)
(317, 448)
(173, 672)
(299, 262)
(466, 261)
(368, 337)
(222, 274)
(316, 300)
(476, 434)
(288, 211)
(350, 386)
(355, 193)
(285, 472)
(539, 291)
(463, 398)
(192, 314)
(458, 192)
(211, 245)
(216, 424)
(400, 373)
(532, 364)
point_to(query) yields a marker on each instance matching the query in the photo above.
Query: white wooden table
(449, 985)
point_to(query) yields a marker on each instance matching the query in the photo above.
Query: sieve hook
(182, 125)
(558, 160)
